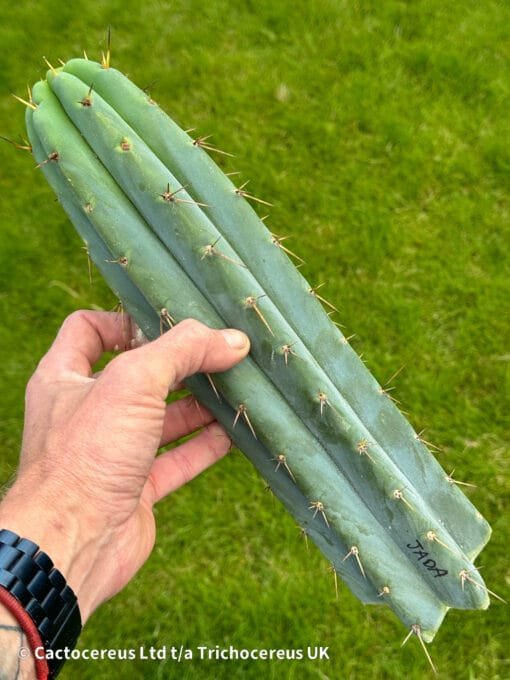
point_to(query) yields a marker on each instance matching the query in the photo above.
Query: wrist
(20, 642)
(58, 530)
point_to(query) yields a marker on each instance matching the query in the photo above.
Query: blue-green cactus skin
(174, 238)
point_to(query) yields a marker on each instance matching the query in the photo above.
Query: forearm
(28, 513)
(16, 660)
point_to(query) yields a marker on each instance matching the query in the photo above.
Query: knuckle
(190, 344)
(42, 377)
(193, 328)
(131, 371)
(195, 338)
(76, 318)
(33, 385)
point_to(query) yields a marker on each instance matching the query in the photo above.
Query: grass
(380, 132)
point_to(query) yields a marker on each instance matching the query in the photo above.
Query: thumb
(187, 348)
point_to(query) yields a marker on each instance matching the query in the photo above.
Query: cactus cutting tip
(121, 169)
(239, 191)
(282, 460)
(318, 506)
(354, 552)
(243, 411)
(465, 575)
(416, 630)
(451, 480)
(203, 144)
(313, 291)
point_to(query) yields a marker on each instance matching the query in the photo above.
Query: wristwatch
(28, 574)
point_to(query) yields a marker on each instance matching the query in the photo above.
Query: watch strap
(29, 575)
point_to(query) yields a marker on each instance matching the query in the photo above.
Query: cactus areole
(175, 238)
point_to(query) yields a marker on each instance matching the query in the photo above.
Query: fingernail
(235, 339)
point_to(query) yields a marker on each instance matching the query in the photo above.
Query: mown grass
(380, 132)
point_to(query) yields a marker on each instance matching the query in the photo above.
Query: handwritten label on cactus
(425, 559)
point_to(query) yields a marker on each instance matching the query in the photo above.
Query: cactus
(175, 238)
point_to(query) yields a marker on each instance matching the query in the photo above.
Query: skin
(88, 475)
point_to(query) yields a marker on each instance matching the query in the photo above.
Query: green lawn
(380, 131)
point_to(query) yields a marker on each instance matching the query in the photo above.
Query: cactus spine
(174, 238)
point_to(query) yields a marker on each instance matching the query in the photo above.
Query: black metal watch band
(29, 575)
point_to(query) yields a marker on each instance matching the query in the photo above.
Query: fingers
(189, 347)
(177, 467)
(82, 339)
(183, 417)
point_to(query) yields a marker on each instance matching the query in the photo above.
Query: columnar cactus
(175, 238)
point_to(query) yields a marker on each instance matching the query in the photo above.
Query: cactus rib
(236, 220)
(175, 238)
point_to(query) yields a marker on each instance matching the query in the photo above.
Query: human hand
(89, 475)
